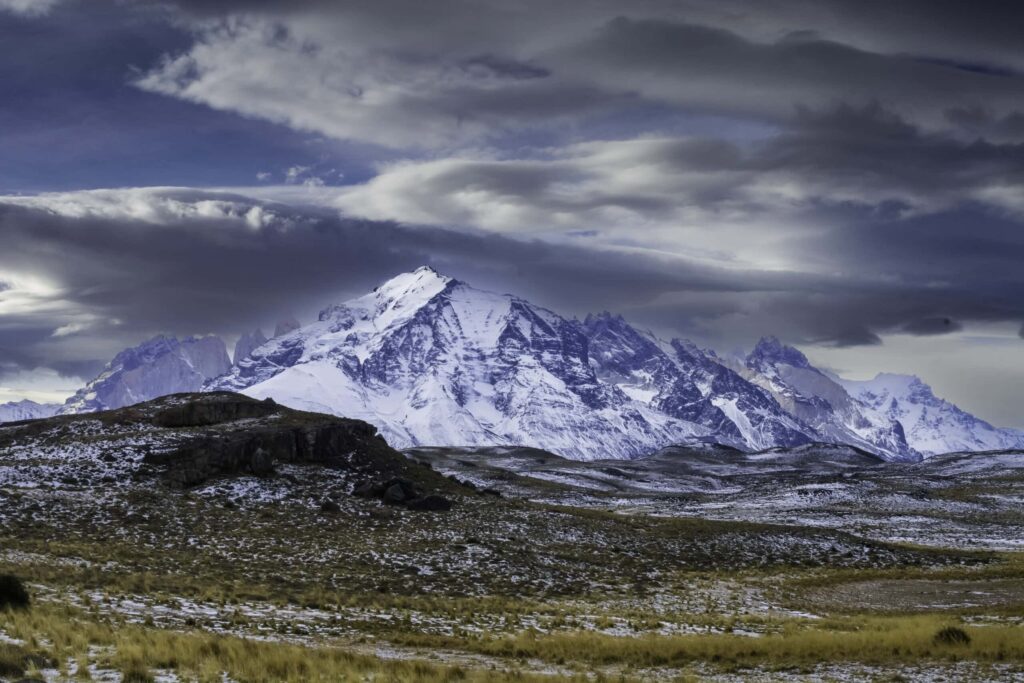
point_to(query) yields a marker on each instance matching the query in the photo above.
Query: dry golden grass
(865, 640)
(61, 634)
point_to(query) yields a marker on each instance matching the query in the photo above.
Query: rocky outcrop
(347, 443)
(211, 412)
(225, 434)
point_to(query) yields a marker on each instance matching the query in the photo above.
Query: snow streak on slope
(432, 361)
(932, 425)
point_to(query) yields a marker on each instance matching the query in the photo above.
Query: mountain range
(430, 360)
(26, 410)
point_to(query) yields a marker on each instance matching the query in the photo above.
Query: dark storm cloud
(134, 278)
(197, 275)
(829, 171)
(462, 73)
(717, 69)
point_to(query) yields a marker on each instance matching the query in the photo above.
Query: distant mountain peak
(932, 424)
(247, 343)
(158, 366)
(771, 350)
(26, 409)
(286, 325)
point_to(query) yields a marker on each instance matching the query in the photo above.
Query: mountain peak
(286, 325)
(158, 366)
(413, 283)
(771, 350)
(602, 318)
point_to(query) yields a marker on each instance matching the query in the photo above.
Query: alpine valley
(430, 360)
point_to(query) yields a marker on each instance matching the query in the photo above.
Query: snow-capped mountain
(160, 366)
(932, 425)
(686, 382)
(433, 361)
(26, 410)
(823, 403)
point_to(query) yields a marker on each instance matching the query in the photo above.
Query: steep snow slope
(26, 410)
(432, 361)
(686, 382)
(160, 366)
(820, 401)
(932, 425)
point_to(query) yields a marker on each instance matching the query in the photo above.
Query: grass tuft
(951, 635)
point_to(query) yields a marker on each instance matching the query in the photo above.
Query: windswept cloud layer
(835, 172)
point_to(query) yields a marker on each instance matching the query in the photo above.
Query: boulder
(367, 489)
(394, 495)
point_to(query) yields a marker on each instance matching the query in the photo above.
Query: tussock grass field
(252, 579)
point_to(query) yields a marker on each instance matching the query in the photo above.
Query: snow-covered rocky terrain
(820, 401)
(954, 500)
(932, 425)
(688, 383)
(199, 522)
(432, 361)
(26, 410)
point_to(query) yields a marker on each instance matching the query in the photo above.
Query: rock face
(257, 451)
(222, 434)
(26, 410)
(285, 326)
(932, 425)
(247, 343)
(824, 404)
(160, 366)
(398, 491)
(255, 448)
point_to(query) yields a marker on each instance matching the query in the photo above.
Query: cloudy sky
(846, 175)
